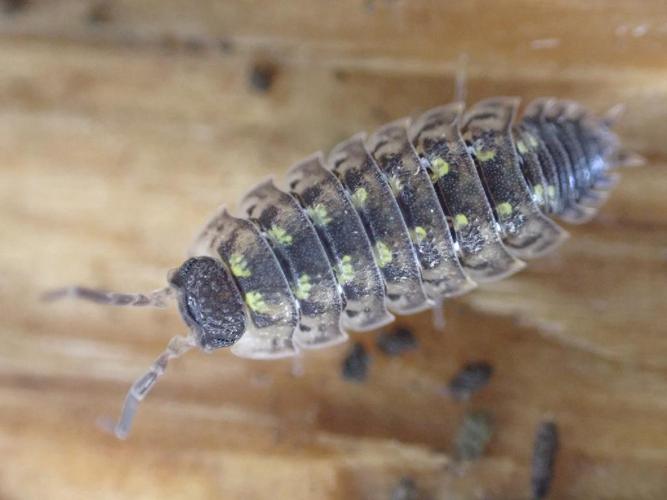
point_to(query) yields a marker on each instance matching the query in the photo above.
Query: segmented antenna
(157, 298)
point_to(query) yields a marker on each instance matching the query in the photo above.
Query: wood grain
(121, 132)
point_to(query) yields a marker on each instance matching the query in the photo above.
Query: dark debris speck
(395, 343)
(406, 489)
(544, 458)
(226, 45)
(169, 42)
(473, 435)
(194, 44)
(14, 6)
(355, 364)
(341, 75)
(262, 76)
(100, 13)
(470, 379)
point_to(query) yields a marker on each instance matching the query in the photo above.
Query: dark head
(210, 302)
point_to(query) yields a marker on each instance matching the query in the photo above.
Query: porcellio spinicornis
(394, 222)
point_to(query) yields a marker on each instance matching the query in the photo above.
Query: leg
(297, 364)
(613, 115)
(626, 158)
(177, 346)
(439, 321)
(460, 83)
(157, 298)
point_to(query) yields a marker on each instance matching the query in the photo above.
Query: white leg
(157, 298)
(613, 115)
(460, 89)
(626, 158)
(177, 346)
(297, 364)
(439, 320)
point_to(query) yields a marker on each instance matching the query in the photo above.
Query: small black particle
(544, 458)
(169, 42)
(100, 13)
(406, 489)
(340, 75)
(14, 6)
(470, 379)
(226, 45)
(194, 44)
(397, 342)
(355, 364)
(474, 434)
(261, 77)
(379, 114)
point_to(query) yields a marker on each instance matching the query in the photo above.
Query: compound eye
(210, 302)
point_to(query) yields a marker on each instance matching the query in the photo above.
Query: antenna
(157, 298)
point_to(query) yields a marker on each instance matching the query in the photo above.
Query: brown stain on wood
(114, 151)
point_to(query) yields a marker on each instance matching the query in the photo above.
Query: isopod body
(390, 223)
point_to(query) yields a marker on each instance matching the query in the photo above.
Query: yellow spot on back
(504, 209)
(551, 192)
(538, 191)
(485, 155)
(280, 235)
(460, 221)
(395, 185)
(318, 213)
(256, 302)
(521, 147)
(383, 253)
(420, 234)
(239, 266)
(532, 142)
(359, 197)
(345, 270)
(439, 168)
(303, 287)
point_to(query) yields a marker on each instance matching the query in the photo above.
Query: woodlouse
(415, 213)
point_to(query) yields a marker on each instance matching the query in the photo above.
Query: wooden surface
(123, 125)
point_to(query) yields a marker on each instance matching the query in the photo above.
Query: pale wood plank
(112, 156)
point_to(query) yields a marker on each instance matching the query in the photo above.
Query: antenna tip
(55, 294)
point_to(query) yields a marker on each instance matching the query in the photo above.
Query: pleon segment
(436, 137)
(566, 118)
(487, 129)
(536, 116)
